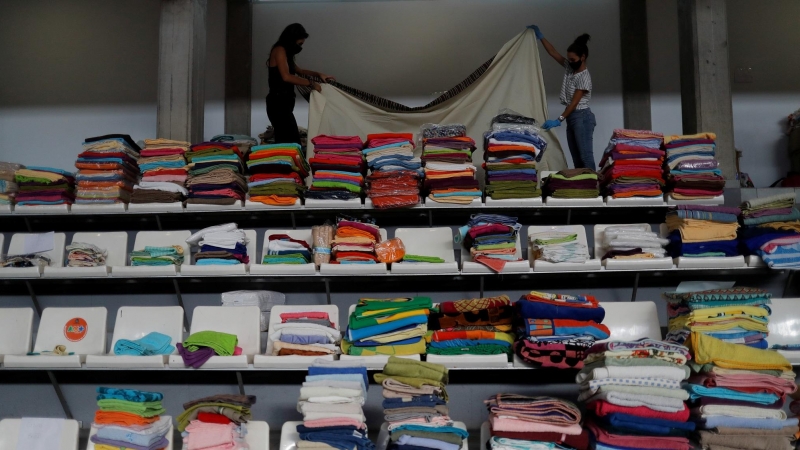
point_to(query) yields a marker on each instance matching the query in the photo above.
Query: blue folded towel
(152, 344)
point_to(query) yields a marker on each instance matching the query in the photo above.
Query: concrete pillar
(635, 64)
(705, 75)
(238, 66)
(181, 69)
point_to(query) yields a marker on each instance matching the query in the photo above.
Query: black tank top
(276, 84)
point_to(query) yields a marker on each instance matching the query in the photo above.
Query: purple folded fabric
(512, 177)
(195, 359)
(162, 443)
(719, 209)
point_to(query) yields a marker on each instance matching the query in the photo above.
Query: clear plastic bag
(516, 127)
(390, 250)
(506, 115)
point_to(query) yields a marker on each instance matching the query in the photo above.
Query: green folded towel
(144, 409)
(424, 259)
(223, 344)
(415, 369)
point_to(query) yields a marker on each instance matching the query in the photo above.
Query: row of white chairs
(626, 320)
(417, 241)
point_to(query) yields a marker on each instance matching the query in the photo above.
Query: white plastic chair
(135, 322)
(356, 269)
(289, 435)
(256, 268)
(626, 264)
(155, 239)
(115, 243)
(53, 331)
(238, 269)
(630, 321)
(10, 429)
(16, 331)
(427, 242)
(17, 247)
(784, 326)
(268, 360)
(243, 321)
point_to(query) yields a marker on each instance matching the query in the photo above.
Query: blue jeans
(580, 131)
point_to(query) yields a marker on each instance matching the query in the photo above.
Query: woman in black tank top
(283, 77)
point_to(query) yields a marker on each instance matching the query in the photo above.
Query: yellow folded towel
(707, 349)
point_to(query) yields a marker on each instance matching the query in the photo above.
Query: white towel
(654, 402)
(197, 237)
(668, 372)
(747, 412)
(326, 391)
(161, 186)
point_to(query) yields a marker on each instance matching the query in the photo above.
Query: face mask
(296, 48)
(575, 65)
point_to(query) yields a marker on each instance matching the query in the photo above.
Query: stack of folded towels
(449, 173)
(220, 245)
(216, 174)
(107, 170)
(243, 141)
(512, 148)
(331, 401)
(152, 343)
(277, 174)
(478, 326)
(395, 171)
(216, 422)
(44, 186)
(387, 326)
(522, 422)
(304, 333)
(283, 249)
(632, 165)
(571, 183)
(703, 231)
(354, 242)
(130, 419)
(199, 347)
(81, 254)
(692, 168)
(338, 167)
(633, 392)
(772, 230)
(736, 315)
(158, 256)
(557, 247)
(491, 239)
(738, 394)
(8, 184)
(558, 329)
(163, 167)
(415, 406)
(632, 242)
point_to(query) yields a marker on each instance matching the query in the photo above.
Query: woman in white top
(576, 91)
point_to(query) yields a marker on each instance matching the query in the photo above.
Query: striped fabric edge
(391, 106)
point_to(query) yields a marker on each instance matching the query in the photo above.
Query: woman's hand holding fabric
(551, 124)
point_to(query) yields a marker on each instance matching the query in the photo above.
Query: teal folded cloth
(794, 215)
(152, 344)
(697, 391)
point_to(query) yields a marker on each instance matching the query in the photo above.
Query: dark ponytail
(579, 46)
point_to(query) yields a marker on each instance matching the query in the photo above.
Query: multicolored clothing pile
(8, 184)
(632, 165)
(395, 171)
(354, 242)
(511, 150)
(703, 231)
(557, 330)
(633, 393)
(772, 230)
(691, 167)
(491, 239)
(632, 242)
(44, 186)
(162, 165)
(387, 326)
(304, 333)
(127, 418)
(277, 174)
(518, 422)
(216, 422)
(107, 170)
(479, 326)
(216, 174)
(338, 168)
(449, 173)
(571, 183)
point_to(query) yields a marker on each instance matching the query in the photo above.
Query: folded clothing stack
(521, 422)
(163, 167)
(304, 333)
(557, 329)
(44, 186)
(216, 174)
(558, 247)
(354, 242)
(264, 300)
(692, 168)
(491, 239)
(512, 148)
(331, 402)
(737, 315)
(283, 249)
(738, 394)
(632, 242)
(130, 419)
(158, 256)
(216, 422)
(387, 326)
(81, 254)
(277, 174)
(338, 167)
(633, 165)
(478, 326)
(449, 173)
(395, 171)
(107, 169)
(772, 230)
(199, 347)
(8, 184)
(703, 231)
(571, 183)
(220, 245)
(152, 343)
(633, 393)
(415, 406)
(243, 141)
